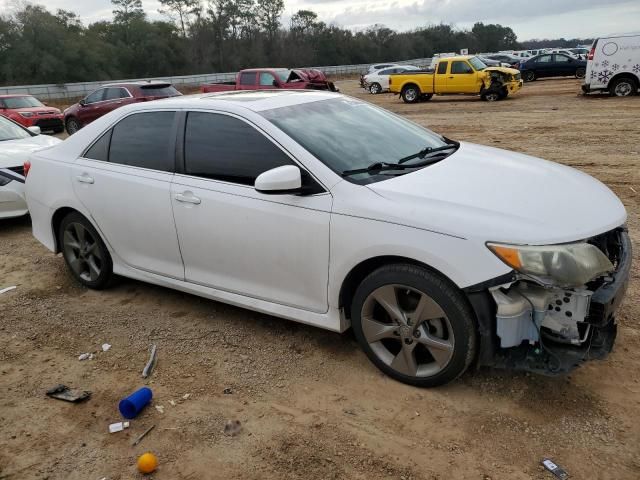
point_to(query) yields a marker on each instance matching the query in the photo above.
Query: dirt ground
(310, 403)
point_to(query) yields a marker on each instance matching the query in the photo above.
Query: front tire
(411, 94)
(581, 72)
(623, 87)
(73, 125)
(491, 96)
(84, 252)
(414, 325)
(529, 76)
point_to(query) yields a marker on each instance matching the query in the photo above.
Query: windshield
(20, 102)
(11, 131)
(477, 64)
(347, 134)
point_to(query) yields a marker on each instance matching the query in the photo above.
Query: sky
(529, 18)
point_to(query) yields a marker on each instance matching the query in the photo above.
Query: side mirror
(35, 130)
(280, 180)
(82, 102)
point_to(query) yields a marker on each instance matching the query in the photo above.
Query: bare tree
(181, 11)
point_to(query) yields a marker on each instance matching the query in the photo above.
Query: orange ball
(147, 463)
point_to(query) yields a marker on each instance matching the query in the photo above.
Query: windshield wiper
(377, 167)
(429, 150)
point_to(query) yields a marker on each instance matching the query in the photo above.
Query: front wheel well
(56, 220)
(364, 268)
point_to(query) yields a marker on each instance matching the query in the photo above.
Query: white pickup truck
(614, 66)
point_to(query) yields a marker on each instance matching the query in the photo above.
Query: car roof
(14, 95)
(255, 100)
(135, 84)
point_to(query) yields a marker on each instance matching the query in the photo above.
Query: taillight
(27, 167)
(592, 53)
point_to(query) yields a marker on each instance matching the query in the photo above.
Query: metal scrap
(151, 363)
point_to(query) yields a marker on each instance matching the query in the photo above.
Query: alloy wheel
(82, 252)
(407, 330)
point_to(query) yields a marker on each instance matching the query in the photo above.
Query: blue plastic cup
(131, 406)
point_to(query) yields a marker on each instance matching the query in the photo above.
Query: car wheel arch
(360, 271)
(625, 75)
(60, 214)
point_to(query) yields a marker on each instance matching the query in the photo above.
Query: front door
(462, 78)
(124, 181)
(233, 238)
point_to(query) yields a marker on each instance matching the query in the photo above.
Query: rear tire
(73, 125)
(414, 325)
(410, 94)
(375, 88)
(581, 72)
(84, 252)
(529, 76)
(623, 87)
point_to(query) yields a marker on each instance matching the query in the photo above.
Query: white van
(614, 66)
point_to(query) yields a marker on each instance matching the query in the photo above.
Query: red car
(271, 78)
(28, 111)
(111, 96)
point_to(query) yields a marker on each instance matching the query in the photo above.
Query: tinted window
(461, 67)
(225, 148)
(115, 93)
(248, 78)
(544, 59)
(159, 91)
(562, 59)
(96, 96)
(266, 79)
(442, 67)
(100, 149)
(388, 71)
(144, 140)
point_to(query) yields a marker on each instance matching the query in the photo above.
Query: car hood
(507, 70)
(13, 153)
(50, 110)
(489, 194)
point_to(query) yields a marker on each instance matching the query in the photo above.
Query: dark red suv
(111, 96)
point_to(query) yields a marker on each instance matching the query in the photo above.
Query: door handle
(84, 178)
(190, 198)
(451, 77)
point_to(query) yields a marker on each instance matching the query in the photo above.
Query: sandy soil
(310, 403)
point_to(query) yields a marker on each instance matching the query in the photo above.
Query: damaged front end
(501, 81)
(539, 318)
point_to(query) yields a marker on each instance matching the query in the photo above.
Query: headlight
(26, 114)
(571, 264)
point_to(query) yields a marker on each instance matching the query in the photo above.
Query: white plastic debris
(118, 427)
(105, 347)
(8, 289)
(160, 408)
(186, 396)
(173, 404)
(86, 356)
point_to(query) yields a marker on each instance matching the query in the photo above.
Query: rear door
(563, 65)
(233, 238)
(114, 97)
(124, 181)
(247, 81)
(440, 78)
(544, 66)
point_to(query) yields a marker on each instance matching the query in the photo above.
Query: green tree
(181, 11)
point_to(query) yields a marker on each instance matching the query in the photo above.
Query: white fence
(77, 90)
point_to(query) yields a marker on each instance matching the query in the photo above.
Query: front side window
(460, 68)
(96, 96)
(144, 140)
(346, 134)
(11, 131)
(544, 59)
(267, 80)
(442, 67)
(248, 78)
(225, 148)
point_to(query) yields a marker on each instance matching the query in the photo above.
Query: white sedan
(323, 209)
(16, 145)
(378, 81)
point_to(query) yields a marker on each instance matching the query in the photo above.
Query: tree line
(39, 46)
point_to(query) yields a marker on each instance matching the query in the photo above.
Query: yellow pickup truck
(456, 75)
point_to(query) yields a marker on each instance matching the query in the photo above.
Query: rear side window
(159, 91)
(144, 140)
(248, 78)
(224, 148)
(442, 67)
(100, 149)
(114, 93)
